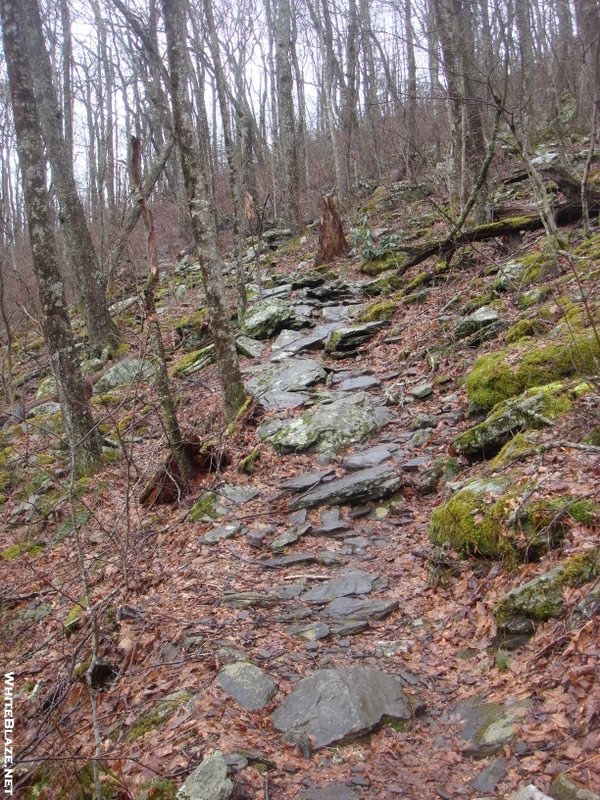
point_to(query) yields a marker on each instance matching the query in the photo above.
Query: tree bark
(91, 281)
(54, 319)
(201, 205)
(332, 242)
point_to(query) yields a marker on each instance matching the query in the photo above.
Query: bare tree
(201, 207)
(54, 318)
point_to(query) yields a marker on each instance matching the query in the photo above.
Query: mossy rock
(67, 526)
(207, 507)
(507, 373)
(541, 598)
(385, 284)
(383, 310)
(191, 331)
(157, 789)
(419, 280)
(73, 620)
(156, 718)
(535, 296)
(480, 520)
(16, 550)
(524, 329)
(51, 424)
(194, 362)
(379, 264)
(47, 387)
(537, 266)
(590, 248)
(516, 448)
(5, 481)
(536, 408)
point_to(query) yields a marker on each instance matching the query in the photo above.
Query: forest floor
(157, 591)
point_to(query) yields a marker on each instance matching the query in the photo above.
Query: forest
(300, 399)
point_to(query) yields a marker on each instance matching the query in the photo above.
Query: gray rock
(538, 599)
(248, 347)
(222, 532)
(356, 582)
(337, 791)
(122, 373)
(266, 317)
(509, 275)
(564, 789)
(290, 561)
(360, 382)
(423, 421)
(369, 458)
(334, 705)
(507, 419)
(292, 375)
(290, 536)
(351, 337)
(307, 480)
(45, 408)
(194, 362)
(349, 419)
(249, 686)
(350, 608)
(490, 776)
(365, 484)
(529, 792)
(474, 322)
(309, 631)
(289, 343)
(271, 400)
(209, 781)
(243, 600)
(238, 494)
(275, 235)
(421, 391)
(490, 726)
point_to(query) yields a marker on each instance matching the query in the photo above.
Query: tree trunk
(287, 121)
(91, 281)
(201, 205)
(54, 318)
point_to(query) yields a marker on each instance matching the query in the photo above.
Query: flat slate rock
(351, 608)
(360, 382)
(305, 481)
(289, 561)
(335, 704)
(327, 427)
(421, 391)
(337, 791)
(490, 776)
(249, 686)
(290, 536)
(355, 582)
(309, 631)
(292, 375)
(366, 484)
(238, 494)
(243, 600)
(246, 346)
(222, 532)
(369, 458)
(490, 726)
(124, 372)
(271, 400)
(266, 317)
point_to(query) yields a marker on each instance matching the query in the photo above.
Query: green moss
(73, 620)
(523, 329)
(474, 521)
(589, 248)
(507, 373)
(16, 550)
(107, 399)
(157, 717)
(534, 296)
(419, 280)
(45, 459)
(157, 789)
(385, 285)
(67, 527)
(593, 437)
(380, 264)
(5, 481)
(580, 569)
(383, 310)
(205, 507)
(537, 266)
(194, 362)
(247, 463)
(518, 446)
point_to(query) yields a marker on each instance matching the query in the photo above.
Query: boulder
(482, 318)
(246, 346)
(490, 726)
(371, 457)
(292, 375)
(353, 609)
(327, 427)
(266, 317)
(337, 704)
(124, 372)
(351, 337)
(355, 582)
(209, 781)
(249, 686)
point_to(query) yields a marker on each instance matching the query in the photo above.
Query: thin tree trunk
(81, 249)
(201, 205)
(54, 318)
(161, 378)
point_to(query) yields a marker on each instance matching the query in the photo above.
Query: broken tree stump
(332, 242)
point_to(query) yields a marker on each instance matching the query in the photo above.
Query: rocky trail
(336, 624)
